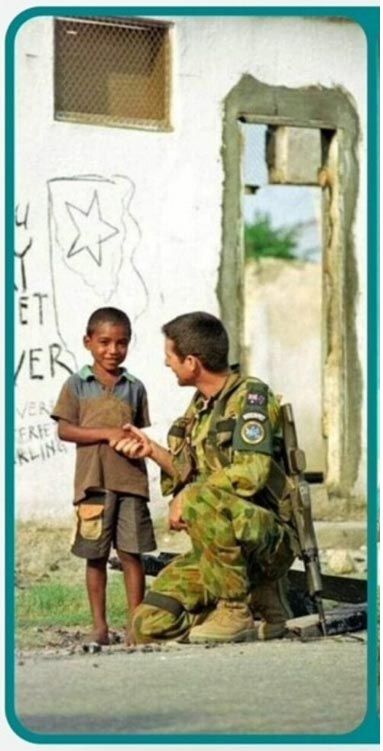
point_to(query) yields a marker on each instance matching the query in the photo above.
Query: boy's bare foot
(100, 637)
(97, 640)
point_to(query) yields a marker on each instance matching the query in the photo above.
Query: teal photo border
(368, 19)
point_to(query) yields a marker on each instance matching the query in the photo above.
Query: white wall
(165, 258)
(283, 306)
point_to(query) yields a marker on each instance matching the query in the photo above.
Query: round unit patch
(252, 432)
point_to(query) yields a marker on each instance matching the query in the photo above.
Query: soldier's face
(183, 369)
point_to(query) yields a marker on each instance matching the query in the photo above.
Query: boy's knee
(125, 557)
(97, 563)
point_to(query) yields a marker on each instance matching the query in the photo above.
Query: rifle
(295, 463)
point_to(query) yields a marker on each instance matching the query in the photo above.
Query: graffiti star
(92, 229)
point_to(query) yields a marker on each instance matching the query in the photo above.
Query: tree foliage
(263, 240)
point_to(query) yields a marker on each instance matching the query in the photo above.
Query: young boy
(111, 491)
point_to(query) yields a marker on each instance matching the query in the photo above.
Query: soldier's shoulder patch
(256, 395)
(255, 398)
(252, 432)
(254, 416)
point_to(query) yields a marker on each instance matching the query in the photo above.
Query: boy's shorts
(105, 519)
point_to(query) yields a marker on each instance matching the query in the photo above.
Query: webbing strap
(277, 482)
(218, 411)
(164, 602)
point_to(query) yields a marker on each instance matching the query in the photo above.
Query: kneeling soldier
(219, 467)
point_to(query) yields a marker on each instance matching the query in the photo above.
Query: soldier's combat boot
(230, 621)
(269, 600)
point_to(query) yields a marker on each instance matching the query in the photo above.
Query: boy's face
(108, 344)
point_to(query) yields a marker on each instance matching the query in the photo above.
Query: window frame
(107, 120)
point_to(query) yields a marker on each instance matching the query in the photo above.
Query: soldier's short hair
(109, 315)
(202, 335)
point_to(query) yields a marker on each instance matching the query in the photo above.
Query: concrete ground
(283, 687)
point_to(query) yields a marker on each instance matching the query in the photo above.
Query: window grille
(113, 72)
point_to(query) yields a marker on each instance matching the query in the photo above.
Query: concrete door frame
(333, 113)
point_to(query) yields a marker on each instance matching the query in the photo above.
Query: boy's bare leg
(96, 578)
(134, 579)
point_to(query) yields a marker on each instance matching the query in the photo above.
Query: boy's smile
(109, 346)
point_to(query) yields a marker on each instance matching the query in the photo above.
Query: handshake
(131, 442)
(134, 444)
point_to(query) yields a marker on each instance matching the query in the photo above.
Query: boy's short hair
(202, 335)
(108, 315)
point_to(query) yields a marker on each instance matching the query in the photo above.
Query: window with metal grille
(112, 72)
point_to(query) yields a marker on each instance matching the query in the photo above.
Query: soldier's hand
(175, 514)
(135, 444)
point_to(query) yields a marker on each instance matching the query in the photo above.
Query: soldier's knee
(199, 502)
(150, 623)
(147, 623)
(191, 502)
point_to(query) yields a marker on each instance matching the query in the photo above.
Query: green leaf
(263, 240)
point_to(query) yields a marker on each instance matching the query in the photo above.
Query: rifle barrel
(322, 617)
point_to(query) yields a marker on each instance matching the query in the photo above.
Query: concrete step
(341, 534)
(326, 508)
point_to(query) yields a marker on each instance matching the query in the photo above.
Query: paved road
(282, 687)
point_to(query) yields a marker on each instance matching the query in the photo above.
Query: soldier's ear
(193, 362)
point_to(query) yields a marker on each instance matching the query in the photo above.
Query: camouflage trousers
(235, 545)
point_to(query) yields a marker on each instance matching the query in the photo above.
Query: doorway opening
(282, 211)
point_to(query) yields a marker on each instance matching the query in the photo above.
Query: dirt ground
(334, 668)
(43, 555)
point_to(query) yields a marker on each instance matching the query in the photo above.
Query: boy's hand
(133, 443)
(113, 435)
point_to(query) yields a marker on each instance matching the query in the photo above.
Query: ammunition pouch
(279, 488)
(224, 430)
(277, 497)
(177, 435)
(218, 445)
(180, 450)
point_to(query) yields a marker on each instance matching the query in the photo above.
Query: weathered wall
(159, 211)
(283, 341)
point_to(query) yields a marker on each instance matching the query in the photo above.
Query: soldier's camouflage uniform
(222, 452)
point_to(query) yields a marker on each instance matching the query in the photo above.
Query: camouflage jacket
(226, 441)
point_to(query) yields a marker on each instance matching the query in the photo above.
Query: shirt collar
(86, 374)
(202, 402)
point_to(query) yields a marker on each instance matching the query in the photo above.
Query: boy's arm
(68, 431)
(67, 415)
